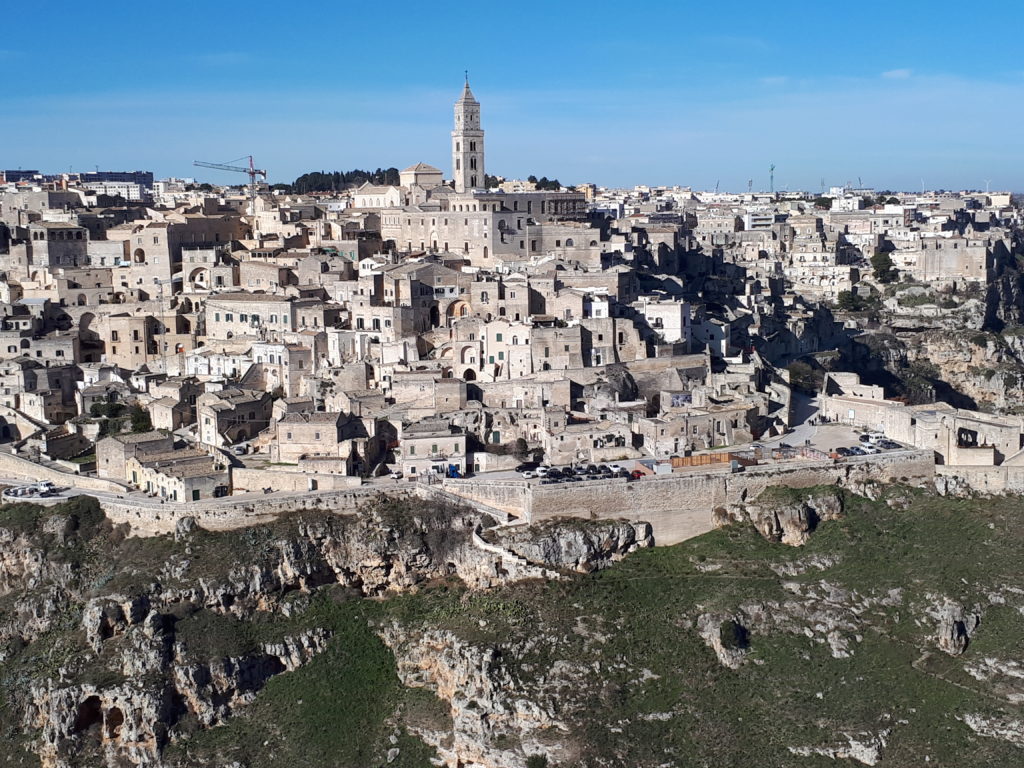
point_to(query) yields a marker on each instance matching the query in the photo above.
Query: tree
(520, 448)
(140, 419)
(848, 301)
(884, 269)
(491, 182)
(532, 179)
(823, 202)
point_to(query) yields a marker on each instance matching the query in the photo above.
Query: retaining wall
(679, 506)
(148, 517)
(289, 480)
(988, 480)
(17, 467)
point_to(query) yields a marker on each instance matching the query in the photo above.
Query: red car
(636, 474)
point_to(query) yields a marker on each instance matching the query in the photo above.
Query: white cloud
(897, 74)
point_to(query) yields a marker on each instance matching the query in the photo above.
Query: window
(412, 450)
(497, 337)
(229, 317)
(288, 435)
(316, 435)
(501, 355)
(113, 336)
(433, 448)
(243, 318)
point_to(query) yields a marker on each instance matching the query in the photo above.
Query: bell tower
(467, 143)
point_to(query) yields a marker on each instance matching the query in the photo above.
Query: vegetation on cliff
(892, 637)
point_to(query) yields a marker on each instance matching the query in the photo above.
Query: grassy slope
(341, 709)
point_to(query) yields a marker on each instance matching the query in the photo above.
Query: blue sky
(611, 92)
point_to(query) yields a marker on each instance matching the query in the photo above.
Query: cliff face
(115, 648)
(879, 629)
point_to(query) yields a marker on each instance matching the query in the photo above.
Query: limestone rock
(789, 521)
(1003, 728)
(497, 718)
(865, 748)
(580, 545)
(726, 636)
(955, 627)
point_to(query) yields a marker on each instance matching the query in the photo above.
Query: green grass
(647, 691)
(337, 710)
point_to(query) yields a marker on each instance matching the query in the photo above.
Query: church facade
(488, 227)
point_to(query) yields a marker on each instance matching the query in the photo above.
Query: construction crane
(771, 175)
(251, 170)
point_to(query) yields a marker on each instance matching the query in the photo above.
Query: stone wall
(679, 506)
(15, 467)
(988, 480)
(148, 517)
(246, 479)
(510, 496)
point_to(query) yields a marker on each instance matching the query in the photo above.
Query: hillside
(892, 637)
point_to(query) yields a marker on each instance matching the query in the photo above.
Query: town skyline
(699, 99)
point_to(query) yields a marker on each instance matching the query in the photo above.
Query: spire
(467, 95)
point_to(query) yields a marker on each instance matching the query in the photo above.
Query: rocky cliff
(114, 648)
(812, 626)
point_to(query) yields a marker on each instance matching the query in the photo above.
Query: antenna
(860, 184)
(771, 176)
(987, 183)
(922, 186)
(750, 185)
(716, 186)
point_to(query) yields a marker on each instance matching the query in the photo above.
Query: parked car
(396, 475)
(543, 470)
(528, 474)
(526, 466)
(843, 451)
(888, 445)
(580, 470)
(636, 474)
(592, 469)
(855, 451)
(555, 473)
(615, 467)
(866, 438)
(239, 450)
(623, 473)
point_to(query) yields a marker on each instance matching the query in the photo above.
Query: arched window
(568, 243)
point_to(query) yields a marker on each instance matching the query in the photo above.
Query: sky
(890, 95)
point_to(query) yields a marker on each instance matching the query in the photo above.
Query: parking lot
(830, 437)
(825, 438)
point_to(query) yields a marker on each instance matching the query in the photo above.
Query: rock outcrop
(785, 518)
(496, 719)
(130, 663)
(578, 545)
(955, 626)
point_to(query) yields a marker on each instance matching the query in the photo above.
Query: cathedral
(488, 227)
